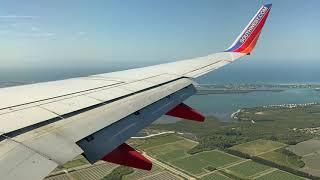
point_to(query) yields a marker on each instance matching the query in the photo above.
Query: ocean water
(223, 105)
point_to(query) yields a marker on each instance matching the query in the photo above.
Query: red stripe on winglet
(253, 38)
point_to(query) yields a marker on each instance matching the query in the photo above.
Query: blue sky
(83, 33)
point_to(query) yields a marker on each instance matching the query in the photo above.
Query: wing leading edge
(47, 124)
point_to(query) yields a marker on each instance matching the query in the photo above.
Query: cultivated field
(312, 162)
(75, 163)
(258, 147)
(159, 140)
(215, 176)
(306, 147)
(95, 172)
(205, 162)
(172, 150)
(163, 175)
(310, 152)
(217, 158)
(279, 157)
(247, 169)
(281, 175)
(156, 173)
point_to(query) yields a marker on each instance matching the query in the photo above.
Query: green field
(172, 155)
(258, 147)
(215, 176)
(217, 158)
(191, 165)
(159, 140)
(274, 129)
(197, 163)
(281, 157)
(171, 148)
(170, 151)
(138, 173)
(163, 175)
(75, 163)
(247, 169)
(280, 175)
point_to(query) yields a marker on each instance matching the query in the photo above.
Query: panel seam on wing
(28, 148)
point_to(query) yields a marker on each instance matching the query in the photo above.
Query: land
(267, 135)
(83, 172)
(205, 89)
(268, 142)
(172, 154)
(234, 91)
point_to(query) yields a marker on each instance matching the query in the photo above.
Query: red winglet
(186, 112)
(127, 156)
(247, 40)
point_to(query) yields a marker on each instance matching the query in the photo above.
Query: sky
(133, 33)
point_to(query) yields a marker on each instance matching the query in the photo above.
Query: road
(153, 135)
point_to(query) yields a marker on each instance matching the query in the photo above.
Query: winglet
(247, 40)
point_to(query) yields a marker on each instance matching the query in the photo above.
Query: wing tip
(247, 40)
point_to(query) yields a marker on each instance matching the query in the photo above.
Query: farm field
(138, 174)
(172, 150)
(279, 157)
(217, 158)
(163, 175)
(95, 172)
(258, 147)
(173, 162)
(76, 163)
(172, 147)
(310, 152)
(215, 176)
(156, 173)
(159, 140)
(312, 164)
(278, 174)
(202, 163)
(247, 169)
(306, 147)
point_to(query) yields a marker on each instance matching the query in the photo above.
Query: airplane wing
(48, 124)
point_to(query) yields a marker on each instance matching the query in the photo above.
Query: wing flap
(52, 145)
(19, 119)
(18, 162)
